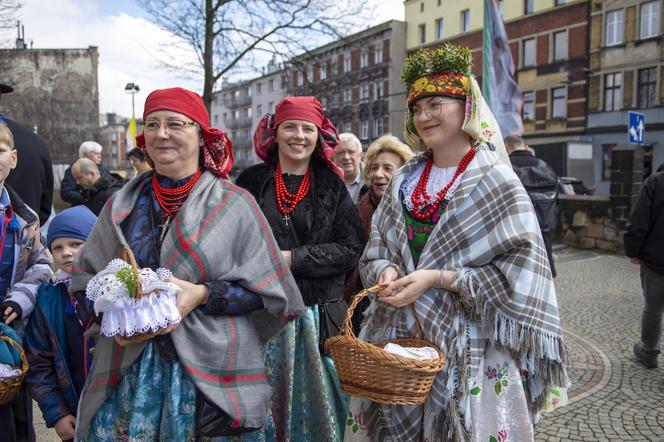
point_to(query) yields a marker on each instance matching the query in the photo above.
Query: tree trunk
(208, 50)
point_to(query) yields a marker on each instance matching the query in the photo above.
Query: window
(259, 86)
(559, 2)
(310, 74)
(558, 102)
(259, 110)
(465, 20)
(529, 106)
(422, 7)
(270, 85)
(225, 117)
(270, 107)
(378, 89)
(236, 114)
(364, 130)
(649, 19)
(440, 2)
(612, 91)
(440, 29)
(248, 112)
(607, 155)
(322, 73)
(364, 59)
(528, 6)
(323, 102)
(346, 62)
(348, 127)
(615, 27)
(378, 55)
(216, 120)
(236, 94)
(378, 127)
(364, 91)
(560, 45)
(528, 55)
(249, 91)
(422, 32)
(335, 70)
(300, 78)
(647, 83)
(347, 95)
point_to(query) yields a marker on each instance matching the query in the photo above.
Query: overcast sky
(126, 41)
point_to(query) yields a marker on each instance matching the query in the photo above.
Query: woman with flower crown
(456, 235)
(318, 229)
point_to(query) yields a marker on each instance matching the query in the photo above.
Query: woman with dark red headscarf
(318, 230)
(204, 375)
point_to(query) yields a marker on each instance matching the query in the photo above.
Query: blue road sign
(636, 130)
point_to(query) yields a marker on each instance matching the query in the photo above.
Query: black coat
(32, 179)
(329, 232)
(72, 193)
(97, 196)
(644, 237)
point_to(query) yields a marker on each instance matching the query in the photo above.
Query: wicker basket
(9, 386)
(128, 256)
(367, 371)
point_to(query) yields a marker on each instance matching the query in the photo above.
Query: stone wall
(56, 93)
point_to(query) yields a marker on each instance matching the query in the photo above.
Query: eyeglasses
(431, 108)
(171, 125)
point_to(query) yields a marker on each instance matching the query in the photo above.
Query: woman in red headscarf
(203, 376)
(320, 235)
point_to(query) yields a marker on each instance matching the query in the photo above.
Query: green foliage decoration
(129, 277)
(447, 59)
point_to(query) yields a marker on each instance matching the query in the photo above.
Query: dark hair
(136, 153)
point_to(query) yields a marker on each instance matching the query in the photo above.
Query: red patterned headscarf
(298, 108)
(217, 152)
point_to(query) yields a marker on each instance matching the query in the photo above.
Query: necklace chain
(286, 201)
(170, 200)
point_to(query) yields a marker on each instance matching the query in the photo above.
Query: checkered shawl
(220, 233)
(489, 234)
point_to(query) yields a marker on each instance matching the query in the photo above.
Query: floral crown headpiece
(441, 71)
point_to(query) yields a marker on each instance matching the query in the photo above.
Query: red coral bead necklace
(286, 201)
(170, 200)
(421, 198)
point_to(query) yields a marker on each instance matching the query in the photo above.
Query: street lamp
(132, 88)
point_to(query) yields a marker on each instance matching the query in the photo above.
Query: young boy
(24, 265)
(58, 353)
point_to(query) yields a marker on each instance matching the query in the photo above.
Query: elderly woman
(319, 233)
(234, 288)
(383, 158)
(456, 235)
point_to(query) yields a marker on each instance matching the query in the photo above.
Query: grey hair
(87, 147)
(350, 138)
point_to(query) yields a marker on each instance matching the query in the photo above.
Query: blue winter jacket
(49, 376)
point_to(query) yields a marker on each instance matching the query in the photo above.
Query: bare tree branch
(231, 35)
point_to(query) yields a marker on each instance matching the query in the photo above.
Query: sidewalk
(612, 397)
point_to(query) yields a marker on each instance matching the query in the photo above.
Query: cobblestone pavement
(612, 398)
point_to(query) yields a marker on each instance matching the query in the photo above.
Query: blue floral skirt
(156, 401)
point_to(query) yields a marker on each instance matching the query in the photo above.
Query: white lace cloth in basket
(8, 371)
(126, 316)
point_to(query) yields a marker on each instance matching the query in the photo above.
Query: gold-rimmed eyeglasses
(431, 108)
(171, 125)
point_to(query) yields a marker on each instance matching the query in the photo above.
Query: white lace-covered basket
(139, 317)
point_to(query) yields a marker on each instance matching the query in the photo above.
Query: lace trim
(125, 315)
(438, 178)
(8, 371)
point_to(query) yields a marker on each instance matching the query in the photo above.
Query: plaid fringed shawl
(489, 234)
(220, 233)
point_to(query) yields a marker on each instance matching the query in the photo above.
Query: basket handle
(348, 330)
(129, 257)
(21, 352)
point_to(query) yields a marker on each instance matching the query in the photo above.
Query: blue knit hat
(76, 222)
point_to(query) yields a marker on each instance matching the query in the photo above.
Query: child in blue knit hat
(57, 350)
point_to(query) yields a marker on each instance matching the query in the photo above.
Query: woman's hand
(9, 315)
(190, 296)
(388, 275)
(406, 290)
(66, 427)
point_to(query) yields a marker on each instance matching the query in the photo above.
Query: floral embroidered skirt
(497, 404)
(156, 401)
